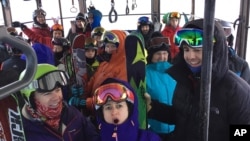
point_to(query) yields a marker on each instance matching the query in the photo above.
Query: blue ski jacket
(160, 86)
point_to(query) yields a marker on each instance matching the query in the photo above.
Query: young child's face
(114, 111)
(110, 47)
(174, 22)
(193, 56)
(90, 53)
(57, 34)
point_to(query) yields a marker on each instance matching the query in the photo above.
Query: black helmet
(90, 43)
(61, 42)
(80, 16)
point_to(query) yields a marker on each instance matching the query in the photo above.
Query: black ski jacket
(229, 102)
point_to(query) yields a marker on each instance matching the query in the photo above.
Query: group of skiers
(105, 107)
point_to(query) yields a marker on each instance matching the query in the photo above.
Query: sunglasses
(193, 37)
(175, 15)
(116, 92)
(158, 42)
(57, 27)
(49, 81)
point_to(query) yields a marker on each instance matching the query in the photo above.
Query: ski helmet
(226, 26)
(110, 37)
(170, 15)
(144, 20)
(97, 31)
(56, 27)
(61, 42)
(46, 77)
(38, 12)
(90, 43)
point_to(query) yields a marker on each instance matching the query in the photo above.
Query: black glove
(18, 24)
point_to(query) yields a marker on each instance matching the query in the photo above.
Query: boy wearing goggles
(172, 21)
(90, 54)
(98, 33)
(117, 113)
(230, 99)
(111, 43)
(46, 116)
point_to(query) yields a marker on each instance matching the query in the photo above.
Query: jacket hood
(127, 130)
(220, 49)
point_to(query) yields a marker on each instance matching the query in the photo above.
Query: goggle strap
(32, 85)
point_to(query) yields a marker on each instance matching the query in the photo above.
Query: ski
(11, 126)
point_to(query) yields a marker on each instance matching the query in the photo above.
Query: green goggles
(192, 36)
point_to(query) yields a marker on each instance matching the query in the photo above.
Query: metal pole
(206, 70)
(60, 10)
(242, 31)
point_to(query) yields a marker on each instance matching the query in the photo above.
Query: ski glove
(18, 24)
(77, 90)
(76, 101)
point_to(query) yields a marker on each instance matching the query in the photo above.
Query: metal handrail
(31, 61)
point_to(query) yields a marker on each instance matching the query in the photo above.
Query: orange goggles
(175, 15)
(116, 92)
(57, 27)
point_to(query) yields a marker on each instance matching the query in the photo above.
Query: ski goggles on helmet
(98, 31)
(116, 92)
(40, 12)
(158, 42)
(193, 37)
(110, 37)
(175, 15)
(57, 27)
(49, 81)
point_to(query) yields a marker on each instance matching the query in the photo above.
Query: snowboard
(136, 64)
(11, 126)
(79, 59)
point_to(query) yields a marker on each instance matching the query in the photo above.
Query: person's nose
(191, 54)
(114, 111)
